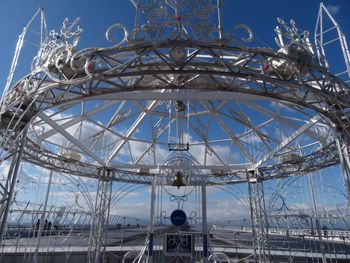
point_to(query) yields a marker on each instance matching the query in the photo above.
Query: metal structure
(258, 215)
(328, 34)
(177, 87)
(98, 234)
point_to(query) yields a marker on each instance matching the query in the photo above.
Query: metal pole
(18, 52)
(204, 223)
(219, 5)
(151, 221)
(344, 169)
(318, 227)
(253, 219)
(97, 239)
(107, 219)
(16, 161)
(137, 16)
(42, 218)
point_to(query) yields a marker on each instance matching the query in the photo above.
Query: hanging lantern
(178, 180)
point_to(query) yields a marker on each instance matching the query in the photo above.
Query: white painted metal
(205, 224)
(42, 219)
(236, 99)
(62, 131)
(321, 33)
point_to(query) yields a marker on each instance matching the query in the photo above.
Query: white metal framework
(177, 87)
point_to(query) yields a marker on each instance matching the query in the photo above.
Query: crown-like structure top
(176, 19)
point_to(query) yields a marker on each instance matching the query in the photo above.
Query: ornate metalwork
(58, 49)
(177, 53)
(184, 164)
(177, 20)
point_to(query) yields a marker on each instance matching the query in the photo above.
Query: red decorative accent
(178, 18)
(90, 67)
(265, 67)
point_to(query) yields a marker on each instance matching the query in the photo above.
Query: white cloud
(133, 209)
(222, 151)
(84, 131)
(301, 206)
(226, 210)
(333, 9)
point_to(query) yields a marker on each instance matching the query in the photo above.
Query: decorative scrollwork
(59, 47)
(183, 19)
(193, 217)
(248, 31)
(297, 46)
(182, 198)
(177, 19)
(184, 164)
(72, 31)
(288, 35)
(113, 28)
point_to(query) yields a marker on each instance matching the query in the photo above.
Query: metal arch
(127, 70)
(323, 158)
(255, 74)
(62, 78)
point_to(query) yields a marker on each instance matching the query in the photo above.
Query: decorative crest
(177, 19)
(289, 34)
(59, 47)
(181, 20)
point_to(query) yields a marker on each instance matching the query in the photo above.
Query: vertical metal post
(151, 221)
(204, 224)
(219, 6)
(42, 218)
(10, 186)
(99, 224)
(258, 217)
(43, 27)
(18, 52)
(137, 16)
(346, 156)
(107, 217)
(318, 227)
(345, 169)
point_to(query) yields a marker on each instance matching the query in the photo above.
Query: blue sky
(97, 16)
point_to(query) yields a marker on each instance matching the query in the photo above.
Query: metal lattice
(81, 112)
(98, 234)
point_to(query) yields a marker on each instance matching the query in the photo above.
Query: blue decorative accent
(205, 245)
(178, 217)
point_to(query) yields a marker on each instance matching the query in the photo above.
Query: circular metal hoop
(209, 72)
